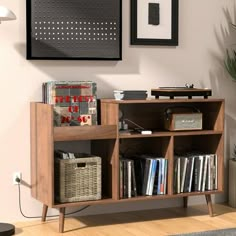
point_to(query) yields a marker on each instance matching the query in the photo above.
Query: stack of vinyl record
(130, 94)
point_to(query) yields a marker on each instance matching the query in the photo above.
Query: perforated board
(74, 29)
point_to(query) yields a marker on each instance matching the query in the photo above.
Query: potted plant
(230, 61)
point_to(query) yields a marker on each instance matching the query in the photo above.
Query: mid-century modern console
(107, 142)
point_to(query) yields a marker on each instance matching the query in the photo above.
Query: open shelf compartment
(158, 147)
(203, 156)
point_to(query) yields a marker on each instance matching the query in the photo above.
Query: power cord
(132, 122)
(36, 217)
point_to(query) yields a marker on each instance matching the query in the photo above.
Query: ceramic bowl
(118, 94)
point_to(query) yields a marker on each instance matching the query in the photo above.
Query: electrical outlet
(16, 175)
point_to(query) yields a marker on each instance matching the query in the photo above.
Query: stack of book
(130, 94)
(74, 102)
(143, 175)
(195, 173)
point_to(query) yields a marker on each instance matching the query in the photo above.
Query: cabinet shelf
(172, 133)
(96, 132)
(83, 203)
(44, 137)
(138, 198)
(150, 114)
(106, 142)
(163, 100)
(169, 196)
(197, 193)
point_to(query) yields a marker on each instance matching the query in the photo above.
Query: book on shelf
(159, 177)
(128, 187)
(74, 102)
(151, 176)
(146, 177)
(121, 179)
(125, 179)
(176, 175)
(183, 169)
(201, 160)
(163, 177)
(211, 172)
(156, 179)
(204, 173)
(133, 182)
(209, 183)
(195, 172)
(129, 177)
(189, 174)
(215, 175)
(139, 168)
(154, 175)
(143, 175)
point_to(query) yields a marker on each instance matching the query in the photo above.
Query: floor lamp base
(7, 229)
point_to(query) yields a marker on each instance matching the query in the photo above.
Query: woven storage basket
(78, 179)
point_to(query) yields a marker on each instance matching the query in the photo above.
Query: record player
(187, 90)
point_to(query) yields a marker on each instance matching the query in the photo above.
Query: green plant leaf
(233, 25)
(230, 64)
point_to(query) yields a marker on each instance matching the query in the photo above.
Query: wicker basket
(78, 179)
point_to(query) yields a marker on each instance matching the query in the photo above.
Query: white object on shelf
(146, 132)
(118, 94)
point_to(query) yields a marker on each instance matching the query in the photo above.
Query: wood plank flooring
(140, 223)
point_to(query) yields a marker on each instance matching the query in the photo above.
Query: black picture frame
(44, 11)
(171, 41)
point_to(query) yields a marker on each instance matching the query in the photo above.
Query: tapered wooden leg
(209, 204)
(62, 219)
(44, 213)
(185, 199)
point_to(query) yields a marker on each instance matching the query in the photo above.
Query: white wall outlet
(15, 176)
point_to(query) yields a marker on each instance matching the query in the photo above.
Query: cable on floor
(35, 217)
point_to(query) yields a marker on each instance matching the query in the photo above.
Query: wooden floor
(141, 223)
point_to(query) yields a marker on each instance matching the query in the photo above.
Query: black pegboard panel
(74, 29)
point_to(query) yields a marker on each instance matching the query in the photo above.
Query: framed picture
(74, 29)
(154, 22)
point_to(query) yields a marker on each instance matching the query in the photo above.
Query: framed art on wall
(154, 22)
(74, 30)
